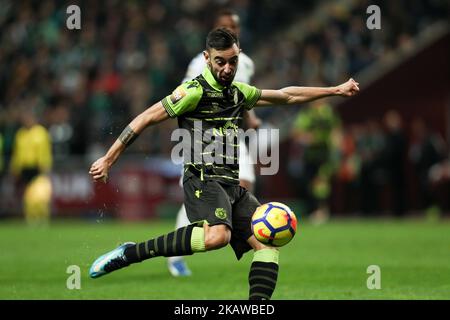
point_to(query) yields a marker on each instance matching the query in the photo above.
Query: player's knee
(256, 245)
(217, 236)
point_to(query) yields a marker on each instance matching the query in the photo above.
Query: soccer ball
(274, 224)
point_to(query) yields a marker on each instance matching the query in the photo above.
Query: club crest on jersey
(177, 95)
(221, 213)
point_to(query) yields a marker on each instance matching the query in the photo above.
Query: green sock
(198, 239)
(263, 274)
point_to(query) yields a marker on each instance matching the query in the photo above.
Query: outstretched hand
(99, 169)
(349, 88)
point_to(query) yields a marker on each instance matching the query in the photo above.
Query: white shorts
(246, 166)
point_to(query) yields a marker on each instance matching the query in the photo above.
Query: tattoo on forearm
(128, 136)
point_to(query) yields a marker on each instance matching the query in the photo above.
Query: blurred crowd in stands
(87, 84)
(368, 167)
(332, 43)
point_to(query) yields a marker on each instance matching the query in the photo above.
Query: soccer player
(31, 163)
(312, 131)
(219, 208)
(227, 19)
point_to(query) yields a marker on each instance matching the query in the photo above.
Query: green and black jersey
(212, 114)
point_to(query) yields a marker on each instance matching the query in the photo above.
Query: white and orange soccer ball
(274, 224)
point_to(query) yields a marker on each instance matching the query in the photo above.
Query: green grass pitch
(322, 262)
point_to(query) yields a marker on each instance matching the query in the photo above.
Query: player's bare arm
(152, 115)
(296, 95)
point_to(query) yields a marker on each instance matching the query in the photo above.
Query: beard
(223, 81)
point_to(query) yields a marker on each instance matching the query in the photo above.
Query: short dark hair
(221, 39)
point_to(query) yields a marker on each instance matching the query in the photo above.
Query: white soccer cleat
(179, 268)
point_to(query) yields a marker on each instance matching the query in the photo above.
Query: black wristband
(128, 136)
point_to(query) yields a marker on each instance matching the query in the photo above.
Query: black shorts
(219, 203)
